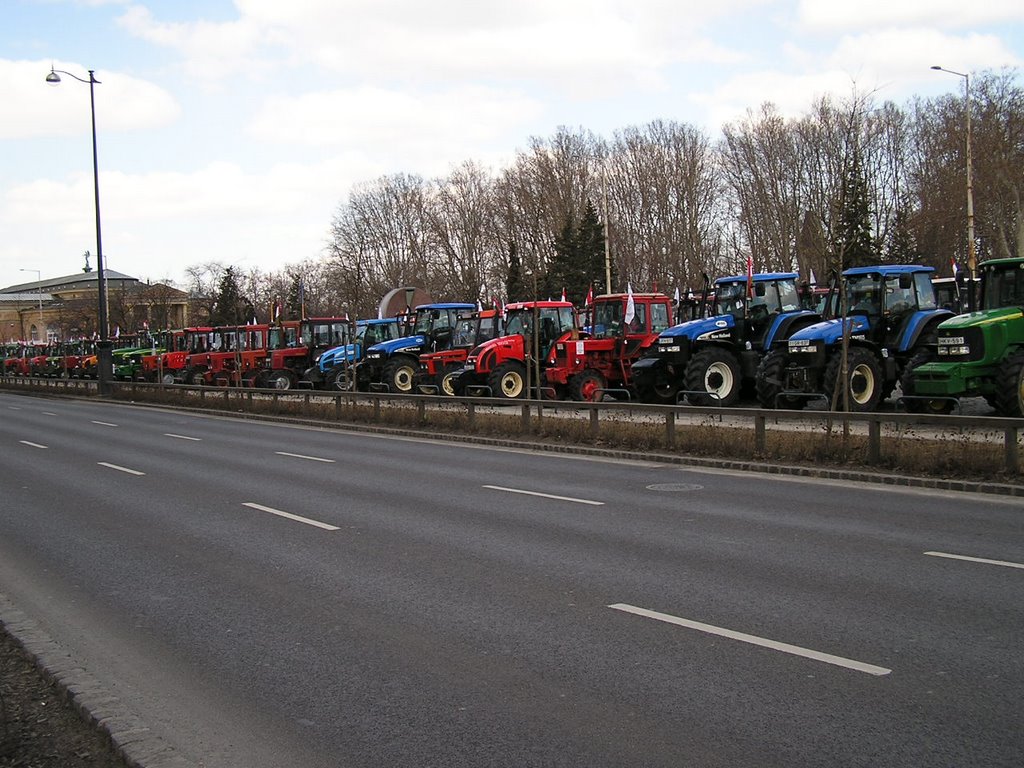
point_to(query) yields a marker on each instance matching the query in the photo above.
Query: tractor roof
(446, 305)
(761, 277)
(539, 305)
(887, 269)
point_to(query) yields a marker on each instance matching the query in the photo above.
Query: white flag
(630, 306)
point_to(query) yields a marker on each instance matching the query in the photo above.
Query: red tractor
(500, 366)
(623, 326)
(294, 347)
(236, 358)
(439, 370)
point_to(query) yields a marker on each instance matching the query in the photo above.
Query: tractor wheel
(771, 383)
(1009, 397)
(196, 377)
(657, 387)
(446, 380)
(913, 405)
(863, 379)
(340, 379)
(280, 380)
(398, 375)
(508, 381)
(167, 378)
(588, 385)
(713, 378)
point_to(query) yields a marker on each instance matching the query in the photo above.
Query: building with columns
(63, 308)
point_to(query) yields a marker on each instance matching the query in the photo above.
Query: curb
(131, 738)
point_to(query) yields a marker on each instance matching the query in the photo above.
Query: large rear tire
(508, 381)
(863, 379)
(446, 380)
(657, 387)
(713, 378)
(1009, 397)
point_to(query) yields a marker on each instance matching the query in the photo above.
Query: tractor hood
(831, 331)
(346, 353)
(982, 317)
(695, 329)
(390, 347)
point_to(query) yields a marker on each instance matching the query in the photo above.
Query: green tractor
(979, 353)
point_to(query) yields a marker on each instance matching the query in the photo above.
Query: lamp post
(39, 294)
(972, 257)
(104, 359)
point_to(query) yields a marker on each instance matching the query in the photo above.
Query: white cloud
(868, 14)
(33, 108)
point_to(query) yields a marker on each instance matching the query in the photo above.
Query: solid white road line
(104, 423)
(34, 445)
(182, 437)
(545, 495)
(986, 561)
(120, 468)
(301, 456)
(290, 516)
(795, 650)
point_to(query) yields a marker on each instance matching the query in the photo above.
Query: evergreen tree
(515, 287)
(294, 301)
(561, 273)
(229, 306)
(854, 240)
(590, 242)
(901, 248)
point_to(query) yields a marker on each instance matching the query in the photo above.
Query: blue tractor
(710, 359)
(334, 368)
(391, 366)
(890, 315)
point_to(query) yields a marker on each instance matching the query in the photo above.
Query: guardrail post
(525, 427)
(670, 429)
(594, 422)
(1011, 450)
(874, 441)
(227, 397)
(337, 407)
(421, 411)
(759, 436)
(376, 409)
(471, 414)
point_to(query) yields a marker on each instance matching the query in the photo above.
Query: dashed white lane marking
(104, 423)
(302, 456)
(774, 645)
(290, 516)
(31, 444)
(119, 468)
(986, 561)
(13, 408)
(182, 437)
(49, 413)
(545, 495)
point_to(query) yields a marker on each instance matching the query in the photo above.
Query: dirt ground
(38, 728)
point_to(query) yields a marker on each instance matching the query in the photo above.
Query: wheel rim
(862, 384)
(511, 385)
(590, 388)
(281, 382)
(403, 379)
(718, 380)
(448, 384)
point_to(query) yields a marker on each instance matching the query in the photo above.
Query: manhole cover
(674, 487)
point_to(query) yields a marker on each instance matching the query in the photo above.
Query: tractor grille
(961, 346)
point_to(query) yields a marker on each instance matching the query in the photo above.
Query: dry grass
(955, 453)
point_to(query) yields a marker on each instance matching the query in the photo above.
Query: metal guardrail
(533, 411)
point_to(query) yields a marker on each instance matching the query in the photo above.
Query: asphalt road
(265, 595)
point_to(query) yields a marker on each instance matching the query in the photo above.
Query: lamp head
(53, 78)
(934, 66)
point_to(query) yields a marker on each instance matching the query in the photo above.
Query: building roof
(25, 297)
(69, 282)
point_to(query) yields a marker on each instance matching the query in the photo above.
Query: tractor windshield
(282, 337)
(730, 298)
(324, 335)
(1003, 286)
(863, 294)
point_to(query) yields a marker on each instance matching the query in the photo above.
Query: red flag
(750, 276)
(563, 293)
(590, 296)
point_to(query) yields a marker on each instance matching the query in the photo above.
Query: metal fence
(593, 417)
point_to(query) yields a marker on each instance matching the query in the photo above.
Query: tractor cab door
(899, 303)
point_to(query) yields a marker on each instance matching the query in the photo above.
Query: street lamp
(972, 258)
(39, 293)
(104, 359)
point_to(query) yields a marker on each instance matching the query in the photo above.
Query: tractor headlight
(802, 345)
(953, 345)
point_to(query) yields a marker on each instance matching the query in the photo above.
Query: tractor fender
(787, 323)
(647, 365)
(919, 326)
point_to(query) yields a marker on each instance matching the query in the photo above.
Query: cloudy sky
(231, 130)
